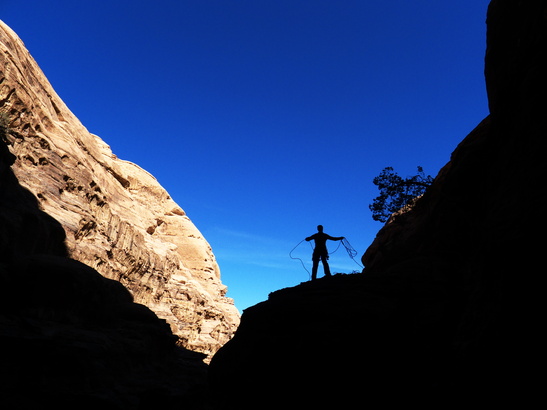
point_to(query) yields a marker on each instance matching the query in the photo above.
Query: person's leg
(314, 268)
(326, 267)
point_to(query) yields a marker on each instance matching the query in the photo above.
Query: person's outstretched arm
(335, 238)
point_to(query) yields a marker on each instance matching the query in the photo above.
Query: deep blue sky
(264, 118)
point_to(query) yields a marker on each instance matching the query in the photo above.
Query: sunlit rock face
(117, 217)
(447, 311)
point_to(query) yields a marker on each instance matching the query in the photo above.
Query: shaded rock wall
(117, 217)
(447, 309)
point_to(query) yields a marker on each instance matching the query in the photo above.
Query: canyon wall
(116, 216)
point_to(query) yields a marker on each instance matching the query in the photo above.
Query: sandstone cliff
(447, 312)
(117, 217)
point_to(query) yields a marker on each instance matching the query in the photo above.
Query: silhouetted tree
(396, 192)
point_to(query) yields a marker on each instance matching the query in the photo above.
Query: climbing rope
(351, 251)
(301, 261)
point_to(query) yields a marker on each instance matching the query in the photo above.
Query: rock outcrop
(447, 310)
(117, 218)
(71, 338)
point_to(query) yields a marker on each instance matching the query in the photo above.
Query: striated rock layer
(117, 217)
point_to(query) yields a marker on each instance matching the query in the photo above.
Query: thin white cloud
(246, 236)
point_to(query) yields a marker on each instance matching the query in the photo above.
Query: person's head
(320, 228)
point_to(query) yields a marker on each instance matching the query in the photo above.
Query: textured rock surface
(117, 217)
(448, 309)
(71, 338)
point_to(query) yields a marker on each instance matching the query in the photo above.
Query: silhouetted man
(320, 251)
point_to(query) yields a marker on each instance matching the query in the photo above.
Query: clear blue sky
(264, 118)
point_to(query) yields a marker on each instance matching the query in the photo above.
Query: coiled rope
(352, 253)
